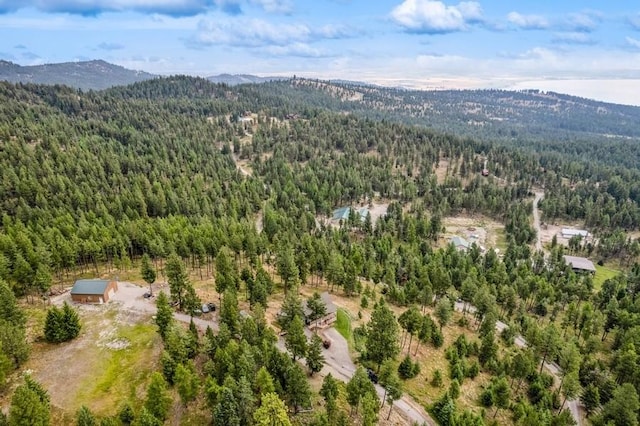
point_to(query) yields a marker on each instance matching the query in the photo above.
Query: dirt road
(536, 220)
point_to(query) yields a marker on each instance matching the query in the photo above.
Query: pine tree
(226, 410)
(53, 326)
(29, 405)
(148, 272)
(295, 340)
(186, 382)
(71, 322)
(84, 417)
(272, 411)
(382, 335)
(158, 400)
(177, 279)
(297, 388)
(315, 358)
(164, 315)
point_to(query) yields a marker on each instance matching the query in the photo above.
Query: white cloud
(434, 17)
(584, 21)
(573, 38)
(257, 32)
(633, 42)
(274, 6)
(95, 7)
(528, 22)
(296, 49)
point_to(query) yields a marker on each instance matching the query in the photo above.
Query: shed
(570, 232)
(343, 213)
(460, 243)
(580, 264)
(93, 291)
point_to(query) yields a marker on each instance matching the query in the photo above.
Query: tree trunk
(390, 409)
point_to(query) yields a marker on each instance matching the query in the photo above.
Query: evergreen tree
(146, 418)
(186, 382)
(164, 315)
(370, 409)
(358, 387)
(382, 335)
(148, 272)
(317, 307)
(315, 358)
(71, 322)
(178, 279)
(272, 411)
(297, 388)
(29, 405)
(226, 410)
(229, 311)
(158, 400)
(61, 325)
(84, 417)
(295, 340)
(263, 382)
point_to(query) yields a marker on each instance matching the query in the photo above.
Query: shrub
(61, 325)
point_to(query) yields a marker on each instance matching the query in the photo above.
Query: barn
(93, 291)
(580, 264)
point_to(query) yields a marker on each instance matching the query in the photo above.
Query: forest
(147, 174)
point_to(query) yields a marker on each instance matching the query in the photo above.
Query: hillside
(503, 114)
(95, 75)
(226, 195)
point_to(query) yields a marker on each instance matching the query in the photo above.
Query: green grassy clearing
(122, 373)
(603, 273)
(343, 325)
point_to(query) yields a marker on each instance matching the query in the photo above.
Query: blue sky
(585, 47)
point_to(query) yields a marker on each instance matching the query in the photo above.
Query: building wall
(96, 298)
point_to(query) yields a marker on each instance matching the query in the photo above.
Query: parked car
(205, 308)
(212, 306)
(372, 375)
(326, 343)
(147, 295)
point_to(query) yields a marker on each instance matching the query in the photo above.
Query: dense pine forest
(183, 178)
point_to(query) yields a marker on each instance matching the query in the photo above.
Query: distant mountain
(235, 79)
(96, 75)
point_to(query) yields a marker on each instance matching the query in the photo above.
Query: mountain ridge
(95, 74)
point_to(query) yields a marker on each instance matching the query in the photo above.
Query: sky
(588, 48)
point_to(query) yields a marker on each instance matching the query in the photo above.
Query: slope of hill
(498, 114)
(96, 75)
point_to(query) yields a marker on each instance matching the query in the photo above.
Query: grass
(343, 325)
(122, 374)
(603, 273)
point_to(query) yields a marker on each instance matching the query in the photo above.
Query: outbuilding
(580, 264)
(93, 291)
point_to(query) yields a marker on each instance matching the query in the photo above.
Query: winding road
(536, 219)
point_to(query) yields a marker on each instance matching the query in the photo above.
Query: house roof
(573, 232)
(90, 287)
(580, 263)
(460, 242)
(328, 304)
(331, 307)
(341, 213)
